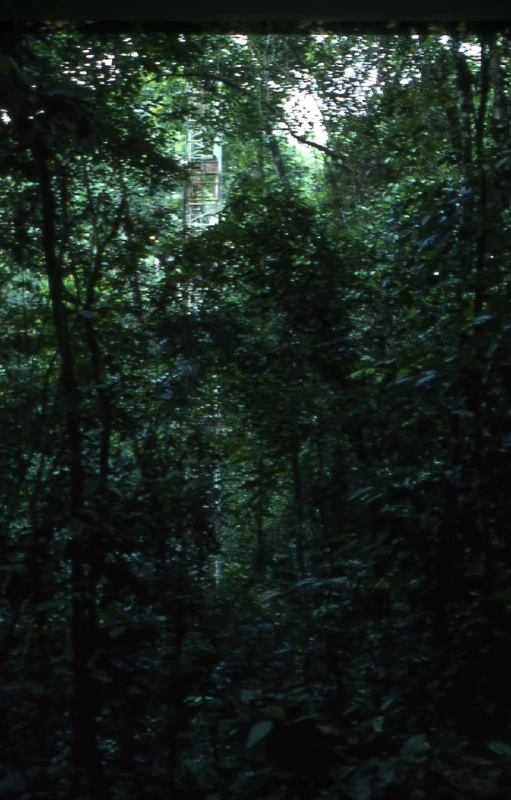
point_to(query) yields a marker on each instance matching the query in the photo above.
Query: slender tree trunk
(477, 401)
(298, 510)
(86, 754)
(466, 111)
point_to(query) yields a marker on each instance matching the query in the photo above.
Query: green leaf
(49, 605)
(305, 584)
(102, 676)
(361, 373)
(504, 162)
(377, 724)
(483, 318)
(491, 350)
(248, 695)
(117, 631)
(360, 493)
(258, 732)
(276, 711)
(415, 746)
(360, 787)
(270, 596)
(340, 581)
(428, 377)
(500, 748)
(6, 64)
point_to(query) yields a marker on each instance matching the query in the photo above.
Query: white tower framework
(202, 196)
(202, 201)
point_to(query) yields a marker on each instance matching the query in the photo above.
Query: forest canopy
(255, 414)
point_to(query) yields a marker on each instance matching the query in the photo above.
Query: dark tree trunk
(86, 751)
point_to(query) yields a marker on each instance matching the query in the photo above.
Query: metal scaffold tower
(202, 196)
(202, 200)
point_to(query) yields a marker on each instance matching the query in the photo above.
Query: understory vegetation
(255, 480)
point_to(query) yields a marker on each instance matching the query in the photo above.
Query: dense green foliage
(255, 507)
